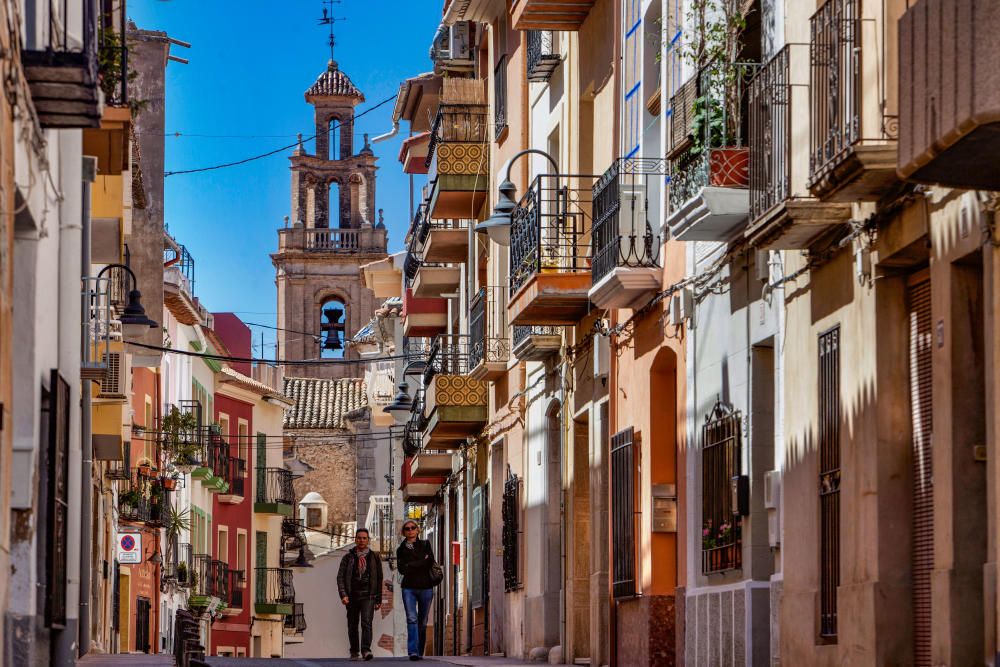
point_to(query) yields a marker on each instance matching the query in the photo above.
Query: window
(56, 403)
(222, 552)
(331, 327)
(224, 425)
(244, 439)
(314, 517)
(500, 97)
(623, 471)
(829, 479)
(241, 553)
(632, 77)
(511, 532)
(721, 545)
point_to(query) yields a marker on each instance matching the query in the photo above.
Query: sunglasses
(409, 527)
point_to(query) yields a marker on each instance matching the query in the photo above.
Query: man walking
(359, 581)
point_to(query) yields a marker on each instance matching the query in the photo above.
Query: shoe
(355, 656)
(414, 656)
(367, 655)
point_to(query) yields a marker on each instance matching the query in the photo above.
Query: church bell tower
(332, 231)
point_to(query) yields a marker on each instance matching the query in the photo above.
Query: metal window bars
(449, 356)
(500, 97)
(829, 479)
(708, 131)
(58, 41)
(274, 485)
(623, 513)
(235, 583)
(274, 586)
(488, 330)
(835, 57)
(626, 232)
(295, 623)
(457, 123)
(722, 547)
(511, 532)
(550, 228)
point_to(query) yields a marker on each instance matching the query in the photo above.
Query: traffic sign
(130, 548)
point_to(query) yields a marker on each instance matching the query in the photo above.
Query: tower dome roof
(334, 83)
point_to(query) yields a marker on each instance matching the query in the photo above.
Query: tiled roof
(323, 403)
(334, 82)
(231, 376)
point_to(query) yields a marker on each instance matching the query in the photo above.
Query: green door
(260, 561)
(261, 466)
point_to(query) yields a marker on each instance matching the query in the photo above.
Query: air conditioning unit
(602, 357)
(632, 213)
(681, 307)
(453, 44)
(114, 385)
(762, 265)
(772, 503)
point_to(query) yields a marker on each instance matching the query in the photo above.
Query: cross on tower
(329, 19)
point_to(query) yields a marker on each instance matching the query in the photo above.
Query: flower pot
(169, 483)
(185, 468)
(729, 167)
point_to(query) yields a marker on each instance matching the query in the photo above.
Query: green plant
(179, 431)
(129, 498)
(182, 572)
(177, 522)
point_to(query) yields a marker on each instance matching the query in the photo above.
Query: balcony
(447, 241)
(235, 587)
(237, 482)
(99, 328)
(274, 592)
(709, 159)
(214, 471)
(458, 160)
(60, 65)
(536, 342)
(144, 499)
(566, 15)
(543, 59)
(295, 623)
(626, 267)
(948, 135)
(332, 241)
(455, 402)
(183, 439)
(179, 565)
(209, 579)
(112, 58)
(489, 335)
(550, 261)
(423, 487)
(853, 120)
(783, 214)
(423, 317)
(178, 284)
(275, 494)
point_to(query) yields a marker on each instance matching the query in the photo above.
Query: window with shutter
(829, 479)
(623, 513)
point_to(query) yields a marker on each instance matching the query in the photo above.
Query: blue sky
(250, 63)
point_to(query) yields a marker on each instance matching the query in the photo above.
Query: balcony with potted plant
(455, 402)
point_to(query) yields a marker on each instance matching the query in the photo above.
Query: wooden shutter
(921, 403)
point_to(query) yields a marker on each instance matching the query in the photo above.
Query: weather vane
(329, 19)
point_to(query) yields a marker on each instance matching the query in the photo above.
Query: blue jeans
(417, 602)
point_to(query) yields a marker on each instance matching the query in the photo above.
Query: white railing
(379, 523)
(380, 379)
(98, 328)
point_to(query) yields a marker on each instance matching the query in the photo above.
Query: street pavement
(141, 660)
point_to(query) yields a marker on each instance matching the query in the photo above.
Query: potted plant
(182, 573)
(168, 483)
(145, 469)
(128, 501)
(180, 439)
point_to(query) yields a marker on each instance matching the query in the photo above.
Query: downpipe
(86, 439)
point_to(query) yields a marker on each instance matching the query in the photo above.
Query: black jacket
(415, 564)
(345, 575)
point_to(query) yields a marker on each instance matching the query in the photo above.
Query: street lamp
(497, 226)
(401, 404)
(134, 320)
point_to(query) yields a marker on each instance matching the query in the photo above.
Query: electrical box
(664, 508)
(602, 357)
(772, 503)
(740, 495)
(762, 265)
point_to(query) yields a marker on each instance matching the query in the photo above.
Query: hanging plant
(180, 440)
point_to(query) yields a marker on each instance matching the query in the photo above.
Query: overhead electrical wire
(274, 362)
(331, 128)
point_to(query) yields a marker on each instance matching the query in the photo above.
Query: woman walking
(416, 559)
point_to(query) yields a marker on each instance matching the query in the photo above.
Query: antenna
(329, 19)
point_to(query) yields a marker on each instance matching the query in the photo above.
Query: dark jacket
(345, 575)
(415, 564)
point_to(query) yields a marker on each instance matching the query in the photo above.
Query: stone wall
(333, 474)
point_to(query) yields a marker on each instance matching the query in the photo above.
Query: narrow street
(162, 660)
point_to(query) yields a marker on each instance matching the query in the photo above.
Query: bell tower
(329, 235)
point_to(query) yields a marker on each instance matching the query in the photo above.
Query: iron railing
(720, 461)
(829, 479)
(511, 532)
(274, 586)
(522, 332)
(458, 123)
(97, 329)
(708, 131)
(413, 429)
(488, 330)
(121, 469)
(835, 81)
(179, 564)
(623, 513)
(379, 524)
(542, 59)
(550, 228)
(295, 623)
(500, 97)
(237, 476)
(626, 232)
(209, 577)
(235, 583)
(185, 447)
(144, 499)
(217, 454)
(60, 46)
(771, 134)
(449, 355)
(180, 260)
(274, 485)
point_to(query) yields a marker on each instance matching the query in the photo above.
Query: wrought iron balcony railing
(550, 228)
(237, 476)
(500, 97)
(542, 59)
(235, 584)
(180, 260)
(179, 564)
(707, 131)
(274, 586)
(458, 123)
(770, 134)
(488, 330)
(144, 499)
(274, 486)
(209, 577)
(626, 232)
(835, 54)
(217, 454)
(523, 332)
(449, 355)
(295, 623)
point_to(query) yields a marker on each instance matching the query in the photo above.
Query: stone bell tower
(331, 233)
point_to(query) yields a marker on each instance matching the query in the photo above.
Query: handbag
(436, 573)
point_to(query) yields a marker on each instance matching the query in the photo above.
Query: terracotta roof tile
(334, 83)
(323, 403)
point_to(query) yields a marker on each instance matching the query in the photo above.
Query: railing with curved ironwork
(626, 231)
(274, 485)
(550, 228)
(488, 331)
(274, 586)
(295, 623)
(542, 59)
(449, 355)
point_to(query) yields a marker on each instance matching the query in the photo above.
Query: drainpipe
(388, 135)
(86, 436)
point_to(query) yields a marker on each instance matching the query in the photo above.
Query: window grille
(721, 544)
(58, 500)
(829, 479)
(500, 97)
(511, 532)
(623, 512)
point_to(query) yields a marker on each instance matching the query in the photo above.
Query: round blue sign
(128, 543)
